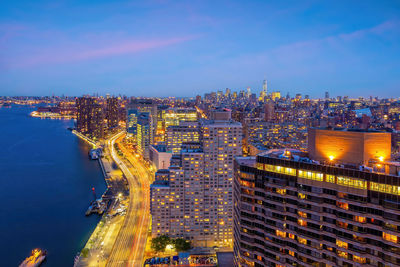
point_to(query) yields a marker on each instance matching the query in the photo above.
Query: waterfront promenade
(99, 246)
(120, 239)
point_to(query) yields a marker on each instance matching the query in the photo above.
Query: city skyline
(162, 48)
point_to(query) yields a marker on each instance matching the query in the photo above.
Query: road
(128, 249)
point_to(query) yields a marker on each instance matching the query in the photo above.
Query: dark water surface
(45, 188)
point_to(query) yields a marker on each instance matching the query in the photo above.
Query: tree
(85, 252)
(181, 244)
(159, 243)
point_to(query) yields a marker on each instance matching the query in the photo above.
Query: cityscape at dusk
(162, 48)
(197, 133)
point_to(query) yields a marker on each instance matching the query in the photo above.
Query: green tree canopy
(159, 243)
(181, 244)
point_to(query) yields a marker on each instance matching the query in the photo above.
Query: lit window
(330, 178)
(302, 214)
(351, 182)
(301, 222)
(342, 224)
(291, 236)
(281, 191)
(311, 175)
(389, 237)
(301, 195)
(360, 219)
(359, 259)
(342, 254)
(302, 240)
(384, 188)
(281, 233)
(341, 244)
(279, 169)
(291, 253)
(342, 205)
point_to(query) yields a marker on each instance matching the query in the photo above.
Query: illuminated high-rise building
(333, 206)
(248, 92)
(144, 133)
(199, 189)
(112, 112)
(131, 124)
(265, 87)
(90, 117)
(142, 106)
(227, 92)
(177, 135)
(174, 116)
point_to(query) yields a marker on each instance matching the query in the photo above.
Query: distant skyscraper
(112, 112)
(263, 92)
(248, 92)
(90, 117)
(147, 106)
(144, 133)
(326, 95)
(131, 124)
(227, 92)
(265, 87)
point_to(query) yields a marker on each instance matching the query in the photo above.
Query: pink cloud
(67, 54)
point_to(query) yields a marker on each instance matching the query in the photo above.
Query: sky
(185, 48)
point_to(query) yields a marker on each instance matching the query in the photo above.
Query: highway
(128, 249)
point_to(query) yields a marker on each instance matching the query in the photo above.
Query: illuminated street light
(331, 157)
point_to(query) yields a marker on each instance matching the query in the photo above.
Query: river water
(45, 188)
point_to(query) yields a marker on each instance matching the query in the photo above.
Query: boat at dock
(95, 153)
(35, 259)
(98, 206)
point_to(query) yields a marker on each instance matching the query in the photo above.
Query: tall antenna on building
(265, 86)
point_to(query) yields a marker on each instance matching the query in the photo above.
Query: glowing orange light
(381, 159)
(331, 158)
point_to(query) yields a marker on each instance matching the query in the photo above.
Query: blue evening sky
(184, 48)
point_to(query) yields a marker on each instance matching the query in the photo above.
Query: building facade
(185, 132)
(144, 134)
(90, 117)
(199, 191)
(112, 112)
(291, 209)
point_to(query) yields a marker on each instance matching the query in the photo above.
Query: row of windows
(279, 169)
(340, 180)
(385, 188)
(311, 175)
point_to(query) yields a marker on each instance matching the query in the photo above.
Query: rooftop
(350, 130)
(160, 184)
(161, 148)
(373, 166)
